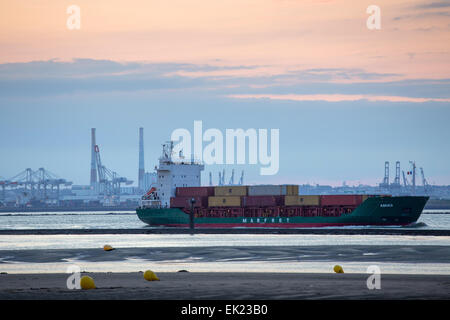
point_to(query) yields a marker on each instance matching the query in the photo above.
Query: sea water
(430, 219)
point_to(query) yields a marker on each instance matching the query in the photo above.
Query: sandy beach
(245, 284)
(225, 286)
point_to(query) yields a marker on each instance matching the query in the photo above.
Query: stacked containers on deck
(296, 200)
(265, 190)
(258, 196)
(194, 191)
(230, 191)
(341, 200)
(273, 190)
(226, 201)
(185, 202)
(268, 195)
(227, 196)
(291, 190)
(242, 196)
(260, 201)
(185, 194)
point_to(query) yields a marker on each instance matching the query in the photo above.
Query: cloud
(88, 76)
(426, 10)
(422, 15)
(337, 98)
(434, 5)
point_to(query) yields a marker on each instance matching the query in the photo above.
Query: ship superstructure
(172, 174)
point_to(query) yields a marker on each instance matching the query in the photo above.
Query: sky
(345, 98)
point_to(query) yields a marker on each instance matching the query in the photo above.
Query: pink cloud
(337, 97)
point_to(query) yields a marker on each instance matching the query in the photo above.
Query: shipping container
(230, 191)
(227, 201)
(273, 190)
(259, 201)
(341, 200)
(195, 191)
(289, 190)
(265, 190)
(297, 200)
(185, 202)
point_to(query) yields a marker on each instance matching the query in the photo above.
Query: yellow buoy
(338, 269)
(107, 247)
(150, 276)
(87, 283)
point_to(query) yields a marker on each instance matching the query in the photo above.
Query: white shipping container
(273, 190)
(266, 190)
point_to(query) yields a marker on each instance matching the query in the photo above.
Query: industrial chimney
(141, 170)
(93, 161)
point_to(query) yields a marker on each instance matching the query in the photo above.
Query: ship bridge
(175, 173)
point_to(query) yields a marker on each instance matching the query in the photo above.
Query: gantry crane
(241, 180)
(109, 181)
(35, 184)
(426, 186)
(231, 178)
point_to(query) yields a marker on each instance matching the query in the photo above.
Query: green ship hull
(381, 211)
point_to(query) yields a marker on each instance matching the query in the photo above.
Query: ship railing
(150, 203)
(182, 161)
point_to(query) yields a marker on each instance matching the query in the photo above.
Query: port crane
(426, 186)
(46, 178)
(109, 181)
(241, 180)
(405, 181)
(35, 184)
(231, 182)
(222, 178)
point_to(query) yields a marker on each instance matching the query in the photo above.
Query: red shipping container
(185, 202)
(259, 201)
(341, 200)
(195, 191)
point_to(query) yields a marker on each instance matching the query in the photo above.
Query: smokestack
(141, 159)
(93, 161)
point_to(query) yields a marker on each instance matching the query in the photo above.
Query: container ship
(177, 195)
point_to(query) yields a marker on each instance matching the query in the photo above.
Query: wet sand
(342, 253)
(226, 286)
